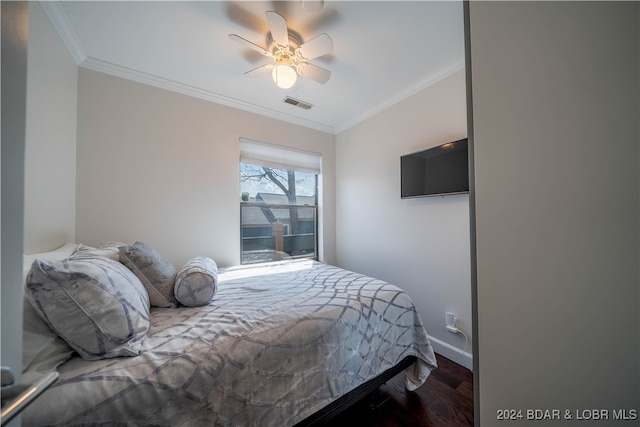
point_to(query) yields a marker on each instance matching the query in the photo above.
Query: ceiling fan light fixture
(290, 56)
(284, 76)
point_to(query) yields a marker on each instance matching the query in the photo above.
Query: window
(278, 203)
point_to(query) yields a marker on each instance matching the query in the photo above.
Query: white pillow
(42, 350)
(107, 249)
(97, 305)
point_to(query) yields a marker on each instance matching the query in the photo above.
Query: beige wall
(556, 137)
(163, 168)
(50, 149)
(421, 245)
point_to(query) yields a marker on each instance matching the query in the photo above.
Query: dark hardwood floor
(444, 400)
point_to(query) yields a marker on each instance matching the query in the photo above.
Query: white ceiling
(384, 51)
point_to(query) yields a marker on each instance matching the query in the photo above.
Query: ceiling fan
(291, 58)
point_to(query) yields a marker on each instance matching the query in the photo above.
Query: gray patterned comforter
(277, 343)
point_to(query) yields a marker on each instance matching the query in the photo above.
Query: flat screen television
(437, 171)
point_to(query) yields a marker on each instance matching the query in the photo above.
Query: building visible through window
(278, 213)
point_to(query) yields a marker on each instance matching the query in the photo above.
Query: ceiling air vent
(297, 103)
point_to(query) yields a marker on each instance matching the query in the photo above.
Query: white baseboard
(452, 353)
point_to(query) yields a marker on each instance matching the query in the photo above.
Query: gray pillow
(154, 271)
(97, 305)
(197, 282)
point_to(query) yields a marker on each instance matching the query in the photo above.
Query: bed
(281, 343)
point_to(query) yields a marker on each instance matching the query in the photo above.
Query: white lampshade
(284, 76)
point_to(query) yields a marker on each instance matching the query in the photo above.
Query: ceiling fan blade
(249, 44)
(317, 46)
(314, 72)
(278, 27)
(259, 71)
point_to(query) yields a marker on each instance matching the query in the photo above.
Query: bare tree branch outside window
(278, 181)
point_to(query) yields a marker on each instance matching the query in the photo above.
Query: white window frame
(278, 156)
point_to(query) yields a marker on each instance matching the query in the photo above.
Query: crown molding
(61, 23)
(412, 90)
(174, 86)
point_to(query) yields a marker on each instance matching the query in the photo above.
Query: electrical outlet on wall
(451, 322)
(449, 318)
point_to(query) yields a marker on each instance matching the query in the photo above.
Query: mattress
(278, 342)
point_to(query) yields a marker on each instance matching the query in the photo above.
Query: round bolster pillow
(197, 282)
